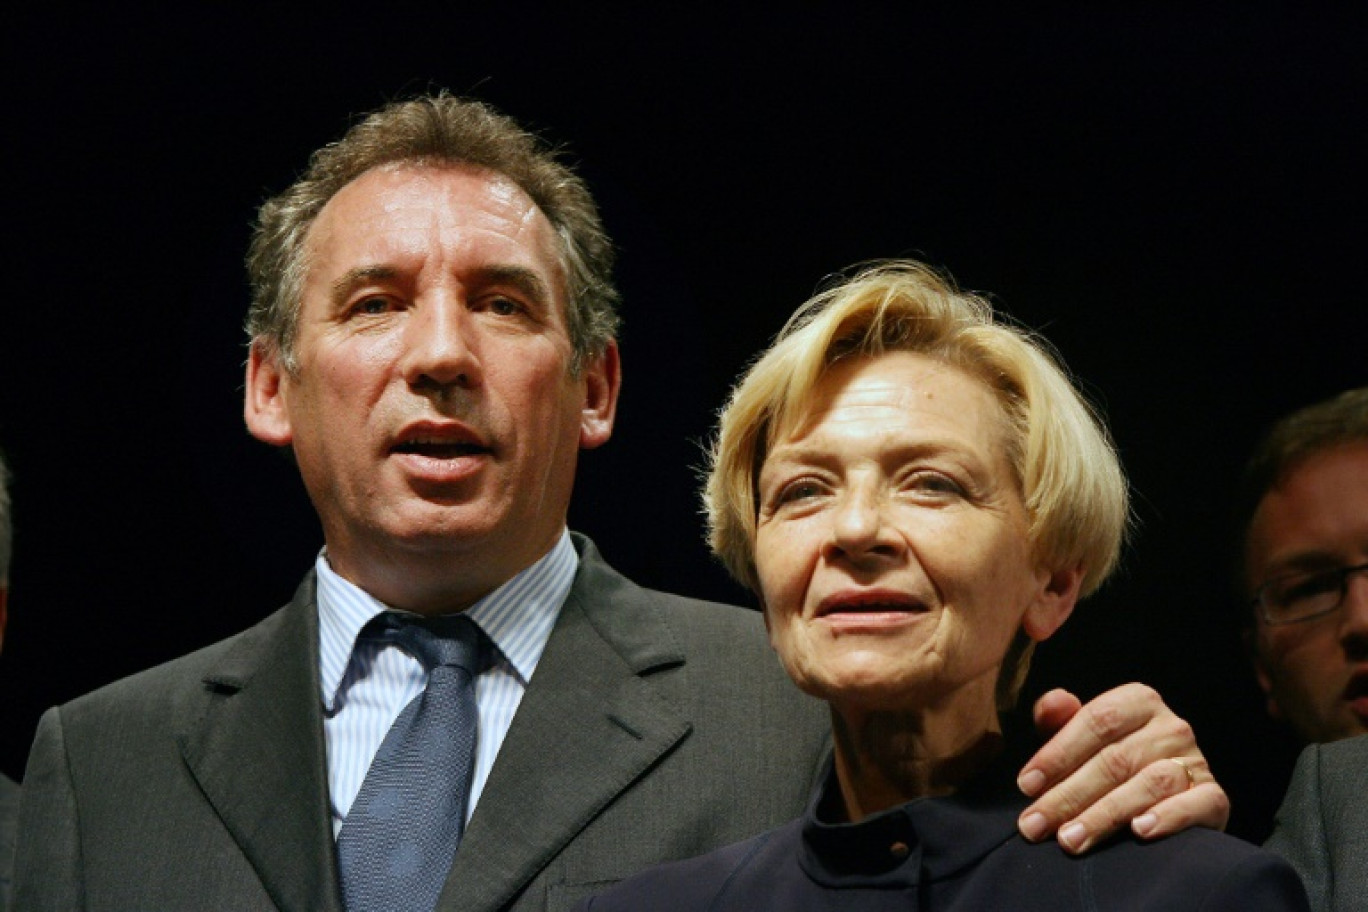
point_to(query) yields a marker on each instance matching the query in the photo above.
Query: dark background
(1176, 199)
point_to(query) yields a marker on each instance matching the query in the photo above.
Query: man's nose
(439, 345)
(1354, 612)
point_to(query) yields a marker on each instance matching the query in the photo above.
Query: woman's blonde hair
(1065, 463)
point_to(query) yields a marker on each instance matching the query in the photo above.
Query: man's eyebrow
(1297, 562)
(360, 275)
(520, 277)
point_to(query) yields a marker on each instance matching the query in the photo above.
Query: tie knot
(453, 640)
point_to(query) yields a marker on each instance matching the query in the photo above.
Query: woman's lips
(872, 609)
(866, 601)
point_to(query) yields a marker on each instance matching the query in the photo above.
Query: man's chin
(443, 533)
(1358, 725)
(1335, 729)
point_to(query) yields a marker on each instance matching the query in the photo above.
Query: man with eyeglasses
(1305, 566)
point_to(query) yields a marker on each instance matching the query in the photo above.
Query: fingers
(1204, 805)
(1112, 764)
(1109, 718)
(1156, 801)
(1054, 710)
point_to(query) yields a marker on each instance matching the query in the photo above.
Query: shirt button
(898, 850)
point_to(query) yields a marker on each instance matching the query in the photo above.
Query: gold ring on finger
(1186, 769)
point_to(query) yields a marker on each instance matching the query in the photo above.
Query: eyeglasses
(1303, 596)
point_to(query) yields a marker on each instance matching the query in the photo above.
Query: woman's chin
(866, 691)
(855, 691)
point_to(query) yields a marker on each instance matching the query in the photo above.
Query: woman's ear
(1053, 603)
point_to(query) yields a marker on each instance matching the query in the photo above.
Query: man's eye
(371, 306)
(504, 307)
(1306, 587)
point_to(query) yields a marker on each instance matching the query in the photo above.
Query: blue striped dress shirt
(366, 685)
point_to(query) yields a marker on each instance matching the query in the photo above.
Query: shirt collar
(517, 617)
(927, 839)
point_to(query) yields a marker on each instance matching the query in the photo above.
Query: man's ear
(602, 382)
(264, 405)
(1262, 674)
(1053, 603)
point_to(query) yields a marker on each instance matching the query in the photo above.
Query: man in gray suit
(1305, 572)
(9, 790)
(433, 338)
(1323, 824)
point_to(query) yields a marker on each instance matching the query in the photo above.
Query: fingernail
(1144, 824)
(1072, 836)
(1031, 782)
(1033, 826)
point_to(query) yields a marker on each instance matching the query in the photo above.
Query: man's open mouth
(440, 449)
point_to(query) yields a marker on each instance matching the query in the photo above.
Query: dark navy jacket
(959, 853)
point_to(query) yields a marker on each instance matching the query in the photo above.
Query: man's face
(1315, 672)
(433, 413)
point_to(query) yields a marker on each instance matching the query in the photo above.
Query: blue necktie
(396, 846)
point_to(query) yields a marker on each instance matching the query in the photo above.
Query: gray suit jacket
(1322, 826)
(655, 728)
(9, 813)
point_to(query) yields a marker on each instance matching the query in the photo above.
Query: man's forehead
(389, 190)
(414, 208)
(1323, 483)
(1317, 513)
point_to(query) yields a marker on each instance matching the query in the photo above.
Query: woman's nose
(860, 527)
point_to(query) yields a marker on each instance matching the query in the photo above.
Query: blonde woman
(919, 495)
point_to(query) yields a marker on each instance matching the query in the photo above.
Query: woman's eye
(935, 483)
(798, 491)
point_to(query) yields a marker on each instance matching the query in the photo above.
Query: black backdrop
(1177, 201)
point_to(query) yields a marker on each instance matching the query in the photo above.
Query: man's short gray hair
(438, 131)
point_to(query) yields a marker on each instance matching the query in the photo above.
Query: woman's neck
(884, 759)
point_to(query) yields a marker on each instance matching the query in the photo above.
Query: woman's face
(892, 541)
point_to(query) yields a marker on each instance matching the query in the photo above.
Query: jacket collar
(257, 751)
(928, 839)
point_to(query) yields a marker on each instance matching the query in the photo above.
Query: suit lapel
(587, 727)
(258, 754)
